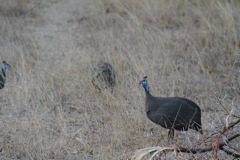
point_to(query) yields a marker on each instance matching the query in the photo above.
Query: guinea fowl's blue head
(5, 66)
(144, 83)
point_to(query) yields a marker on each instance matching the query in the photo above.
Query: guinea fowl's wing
(190, 113)
(163, 112)
(195, 110)
(177, 109)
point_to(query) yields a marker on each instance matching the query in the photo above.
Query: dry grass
(49, 108)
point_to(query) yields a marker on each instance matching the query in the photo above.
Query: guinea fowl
(104, 76)
(172, 112)
(5, 66)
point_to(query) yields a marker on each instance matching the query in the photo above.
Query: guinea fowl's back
(104, 76)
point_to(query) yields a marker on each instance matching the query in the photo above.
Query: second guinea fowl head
(144, 83)
(5, 66)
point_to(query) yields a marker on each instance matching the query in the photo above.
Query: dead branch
(216, 147)
(206, 149)
(220, 144)
(231, 151)
(231, 125)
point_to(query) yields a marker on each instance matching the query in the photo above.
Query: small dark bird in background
(5, 66)
(104, 76)
(172, 112)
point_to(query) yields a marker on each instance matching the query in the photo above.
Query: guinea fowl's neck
(3, 73)
(147, 93)
(148, 103)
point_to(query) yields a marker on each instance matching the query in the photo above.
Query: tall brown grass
(49, 108)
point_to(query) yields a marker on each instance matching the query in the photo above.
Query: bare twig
(216, 147)
(221, 146)
(233, 115)
(231, 125)
(222, 105)
(231, 151)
